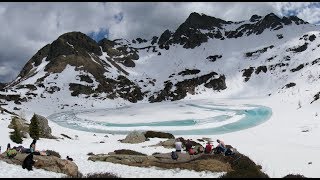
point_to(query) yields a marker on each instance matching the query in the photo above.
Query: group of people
(31, 149)
(28, 161)
(209, 148)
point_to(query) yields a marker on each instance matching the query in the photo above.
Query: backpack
(174, 155)
(11, 153)
(229, 152)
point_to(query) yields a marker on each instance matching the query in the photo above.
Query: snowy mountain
(262, 56)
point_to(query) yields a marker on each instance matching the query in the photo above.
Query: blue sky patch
(118, 17)
(97, 36)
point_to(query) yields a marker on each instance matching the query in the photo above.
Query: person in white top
(221, 147)
(178, 145)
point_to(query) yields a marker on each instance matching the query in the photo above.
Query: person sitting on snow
(208, 148)
(221, 147)
(178, 145)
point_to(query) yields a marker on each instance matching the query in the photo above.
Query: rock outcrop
(134, 137)
(45, 130)
(237, 165)
(49, 163)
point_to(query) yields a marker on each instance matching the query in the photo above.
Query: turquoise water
(252, 117)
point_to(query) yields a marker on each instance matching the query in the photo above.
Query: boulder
(45, 130)
(49, 163)
(134, 137)
(156, 134)
(121, 158)
(167, 144)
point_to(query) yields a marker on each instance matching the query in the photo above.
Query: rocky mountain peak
(202, 21)
(73, 43)
(255, 18)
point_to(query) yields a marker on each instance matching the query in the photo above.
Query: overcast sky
(26, 27)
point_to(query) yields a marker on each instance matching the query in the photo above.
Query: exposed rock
(280, 36)
(214, 58)
(49, 163)
(297, 68)
(121, 158)
(128, 152)
(289, 85)
(189, 72)
(299, 48)
(315, 97)
(247, 73)
(45, 130)
(261, 68)
(134, 137)
(167, 143)
(259, 51)
(188, 86)
(157, 134)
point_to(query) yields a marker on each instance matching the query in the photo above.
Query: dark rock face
(315, 61)
(214, 58)
(274, 66)
(297, 68)
(86, 78)
(188, 86)
(188, 33)
(315, 97)
(16, 98)
(259, 51)
(2, 85)
(280, 36)
(289, 85)
(299, 48)
(121, 53)
(255, 18)
(73, 43)
(165, 36)
(247, 73)
(261, 68)
(189, 72)
(80, 89)
(36, 59)
(270, 21)
(312, 37)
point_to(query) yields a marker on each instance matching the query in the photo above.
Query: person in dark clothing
(28, 162)
(188, 145)
(34, 151)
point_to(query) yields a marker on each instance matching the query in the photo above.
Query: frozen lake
(178, 118)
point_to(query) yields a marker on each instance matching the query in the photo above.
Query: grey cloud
(26, 27)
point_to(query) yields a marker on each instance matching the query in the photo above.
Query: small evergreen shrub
(34, 128)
